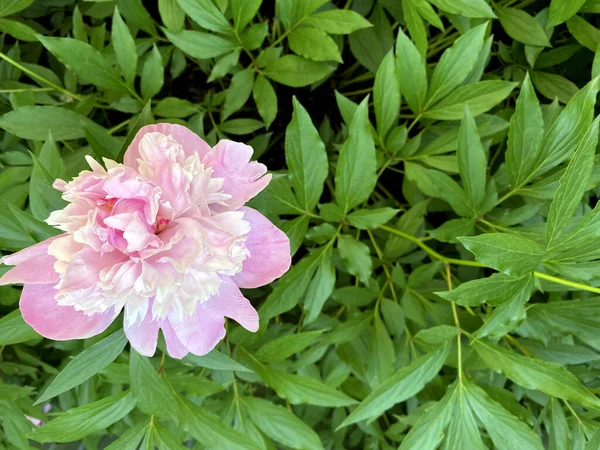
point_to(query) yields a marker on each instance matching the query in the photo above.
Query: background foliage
(436, 174)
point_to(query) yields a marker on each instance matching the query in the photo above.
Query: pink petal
(231, 303)
(174, 346)
(143, 335)
(60, 323)
(39, 269)
(29, 252)
(190, 141)
(269, 252)
(242, 178)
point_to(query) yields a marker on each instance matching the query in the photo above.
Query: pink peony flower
(164, 237)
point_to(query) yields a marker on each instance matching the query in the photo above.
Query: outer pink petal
(231, 303)
(143, 335)
(39, 270)
(190, 141)
(201, 331)
(242, 178)
(269, 252)
(174, 346)
(60, 323)
(29, 252)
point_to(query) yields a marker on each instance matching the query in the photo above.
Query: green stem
(573, 284)
(39, 77)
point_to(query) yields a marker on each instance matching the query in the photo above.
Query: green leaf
(415, 25)
(143, 118)
(43, 198)
(265, 98)
(585, 33)
(452, 229)
(175, 107)
(124, 46)
(405, 383)
(243, 11)
(85, 365)
(18, 30)
(563, 10)
(85, 61)
(559, 429)
(37, 229)
(572, 185)
(9, 7)
(63, 123)
(136, 15)
(356, 256)
(439, 185)
(532, 373)
(467, 8)
(368, 219)
(149, 389)
(13, 391)
(314, 44)
(594, 442)
(102, 143)
(14, 330)
(511, 254)
(554, 86)
(171, 14)
(494, 290)
(356, 175)
(507, 431)
(241, 126)
(215, 360)
(153, 74)
(411, 72)
(386, 95)
(294, 71)
(164, 439)
(524, 136)
(206, 14)
(428, 432)
(463, 429)
(472, 162)
(51, 160)
(338, 21)
(455, 64)
(200, 45)
(239, 92)
(281, 425)
(522, 27)
(568, 129)
(319, 289)
(478, 97)
(306, 157)
(82, 421)
(285, 346)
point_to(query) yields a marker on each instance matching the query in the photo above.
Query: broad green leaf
(585, 33)
(355, 175)
(455, 64)
(306, 157)
(18, 30)
(382, 357)
(428, 432)
(241, 126)
(243, 11)
(85, 61)
(294, 71)
(511, 254)
(386, 95)
(239, 92)
(553, 86)
(563, 10)
(478, 97)
(463, 431)
(8, 7)
(199, 44)
(85, 365)
(314, 44)
(124, 46)
(206, 14)
(439, 185)
(43, 198)
(215, 360)
(405, 383)
(467, 8)
(411, 73)
(494, 290)
(151, 392)
(143, 118)
(338, 21)
(572, 185)
(153, 74)
(532, 373)
(14, 330)
(559, 429)
(37, 229)
(472, 162)
(102, 143)
(82, 421)
(568, 129)
(356, 256)
(265, 98)
(319, 289)
(136, 15)
(507, 431)
(171, 14)
(285, 346)
(522, 27)
(164, 439)
(175, 107)
(368, 219)
(524, 136)
(452, 229)
(63, 123)
(50, 158)
(281, 425)
(594, 442)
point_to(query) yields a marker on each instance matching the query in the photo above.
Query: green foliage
(434, 166)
